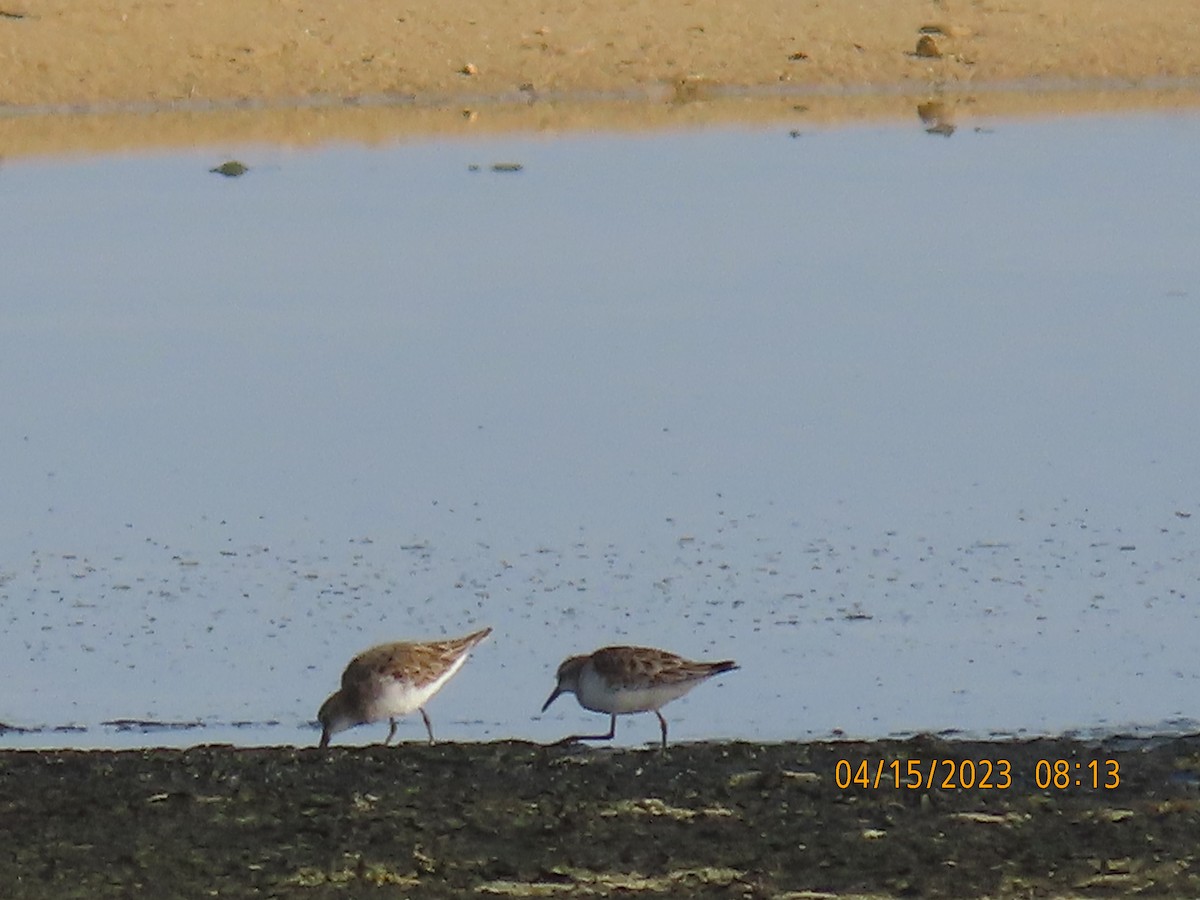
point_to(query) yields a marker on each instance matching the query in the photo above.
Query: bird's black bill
(553, 697)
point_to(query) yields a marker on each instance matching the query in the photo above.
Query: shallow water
(905, 425)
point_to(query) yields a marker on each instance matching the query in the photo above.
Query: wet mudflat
(515, 819)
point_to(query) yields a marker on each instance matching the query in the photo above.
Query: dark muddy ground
(515, 819)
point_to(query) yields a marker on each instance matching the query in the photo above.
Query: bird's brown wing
(642, 665)
(403, 660)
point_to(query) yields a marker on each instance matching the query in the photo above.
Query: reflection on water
(905, 426)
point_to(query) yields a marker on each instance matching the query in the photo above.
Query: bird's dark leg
(612, 731)
(663, 723)
(428, 727)
(391, 733)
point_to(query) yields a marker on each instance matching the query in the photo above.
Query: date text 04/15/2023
(974, 774)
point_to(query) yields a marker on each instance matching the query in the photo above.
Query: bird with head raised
(623, 680)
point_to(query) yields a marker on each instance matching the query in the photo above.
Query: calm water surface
(907, 425)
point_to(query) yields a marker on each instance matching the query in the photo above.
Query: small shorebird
(619, 680)
(392, 680)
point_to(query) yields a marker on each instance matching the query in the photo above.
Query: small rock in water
(231, 169)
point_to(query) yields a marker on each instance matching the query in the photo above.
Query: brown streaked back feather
(631, 666)
(408, 660)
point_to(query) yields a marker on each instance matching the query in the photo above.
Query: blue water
(905, 425)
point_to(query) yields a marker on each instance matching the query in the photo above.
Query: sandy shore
(161, 72)
(62, 52)
(1044, 818)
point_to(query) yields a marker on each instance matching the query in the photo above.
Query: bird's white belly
(596, 694)
(395, 697)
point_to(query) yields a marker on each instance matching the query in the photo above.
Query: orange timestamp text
(974, 774)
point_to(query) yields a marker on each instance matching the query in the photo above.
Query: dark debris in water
(516, 819)
(501, 167)
(149, 725)
(231, 169)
